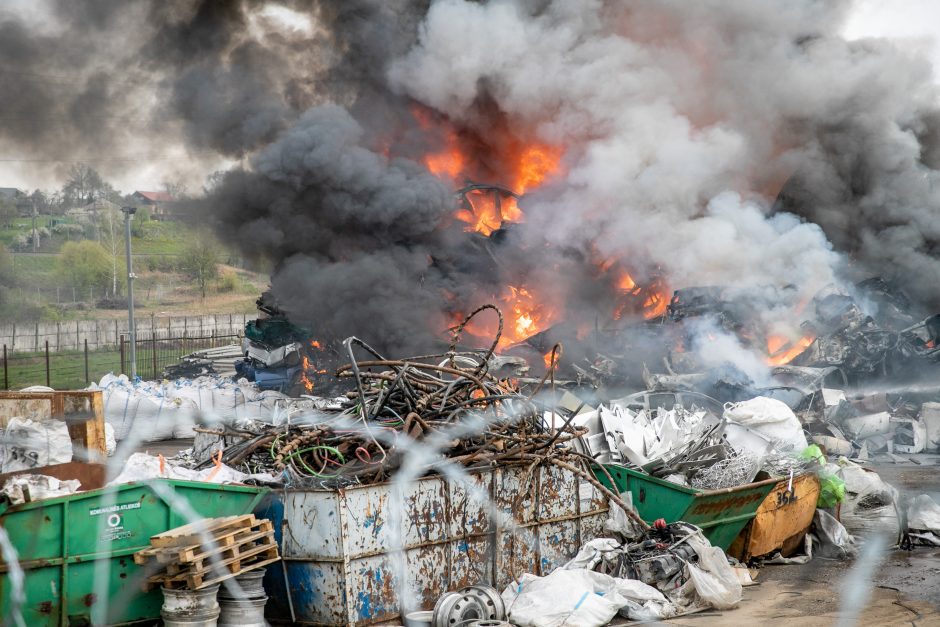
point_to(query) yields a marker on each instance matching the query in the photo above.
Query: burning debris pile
(452, 404)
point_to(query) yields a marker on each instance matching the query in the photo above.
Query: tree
(40, 201)
(81, 185)
(84, 264)
(109, 232)
(200, 261)
(7, 212)
(7, 274)
(176, 189)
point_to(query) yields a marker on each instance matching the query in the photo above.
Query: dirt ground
(895, 588)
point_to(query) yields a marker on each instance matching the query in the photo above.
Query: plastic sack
(38, 487)
(142, 467)
(770, 418)
(870, 504)
(151, 411)
(923, 514)
(28, 444)
(593, 553)
(832, 538)
(814, 453)
(831, 490)
(574, 598)
(713, 578)
(110, 443)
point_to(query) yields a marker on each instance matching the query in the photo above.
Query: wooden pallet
(187, 559)
(197, 581)
(195, 533)
(189, 553)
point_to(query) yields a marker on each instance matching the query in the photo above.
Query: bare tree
(83, 185)
(200, 261)
(176, 189)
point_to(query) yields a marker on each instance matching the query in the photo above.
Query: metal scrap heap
(444, 409)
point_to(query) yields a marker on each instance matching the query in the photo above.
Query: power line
(111, 159)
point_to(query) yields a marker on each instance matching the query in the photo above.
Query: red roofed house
(161, 204)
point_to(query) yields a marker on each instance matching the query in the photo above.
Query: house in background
(162, 205)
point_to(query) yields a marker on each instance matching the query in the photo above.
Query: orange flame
(449, 163)
(654, 296)
(781, 351)
(305, 366)
(488, 212)
(524, 315)
(536, 163)
(489, 209)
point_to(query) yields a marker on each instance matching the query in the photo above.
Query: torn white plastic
(37, 488)
(923, 514)
(770, 418)
(574, 598)
(870, 503)
(142, 467)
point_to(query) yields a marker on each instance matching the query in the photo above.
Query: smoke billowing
(733, 142)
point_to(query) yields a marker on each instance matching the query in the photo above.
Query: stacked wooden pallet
(204, 553)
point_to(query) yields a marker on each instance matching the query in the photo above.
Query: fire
(781, 350)
(536, 163)
(526, 315)
(655, 305)
(627, 284)
(305, 366)
(654, 296)
(316, 344)
(449, 163)
(489, 208)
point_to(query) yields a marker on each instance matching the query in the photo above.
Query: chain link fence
(76, 369)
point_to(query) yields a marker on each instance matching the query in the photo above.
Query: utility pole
(132, 327)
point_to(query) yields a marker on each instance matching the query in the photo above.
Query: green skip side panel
(68, 544)
(721, 514)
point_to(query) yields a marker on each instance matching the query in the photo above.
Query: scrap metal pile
(696, 441)
(440, 409)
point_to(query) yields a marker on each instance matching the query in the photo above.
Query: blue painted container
(339, 562)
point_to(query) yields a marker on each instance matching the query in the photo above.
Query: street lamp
(132, 327)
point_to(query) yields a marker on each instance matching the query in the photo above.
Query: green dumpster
(77, 551)
(721, 514)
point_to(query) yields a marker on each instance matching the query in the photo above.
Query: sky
(911, 23)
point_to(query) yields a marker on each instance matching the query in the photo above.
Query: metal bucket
(250, 584)
(419, 619)
(242, 612)
(190, 608)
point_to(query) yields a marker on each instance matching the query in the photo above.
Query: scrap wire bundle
(442, 406)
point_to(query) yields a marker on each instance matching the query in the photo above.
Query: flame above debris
(781, 350)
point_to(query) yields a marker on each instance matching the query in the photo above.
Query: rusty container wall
(340, 563)
(782, 520)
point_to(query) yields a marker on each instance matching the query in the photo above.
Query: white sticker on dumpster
(120, 507)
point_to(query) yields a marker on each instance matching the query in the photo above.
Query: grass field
(42, 292)
(67, 369)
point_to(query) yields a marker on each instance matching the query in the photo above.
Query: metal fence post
(153, 350)
(87, 379)
(6, 370)
(48, 378)
(122, 354)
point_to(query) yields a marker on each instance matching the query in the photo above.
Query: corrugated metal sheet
(495, 526)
